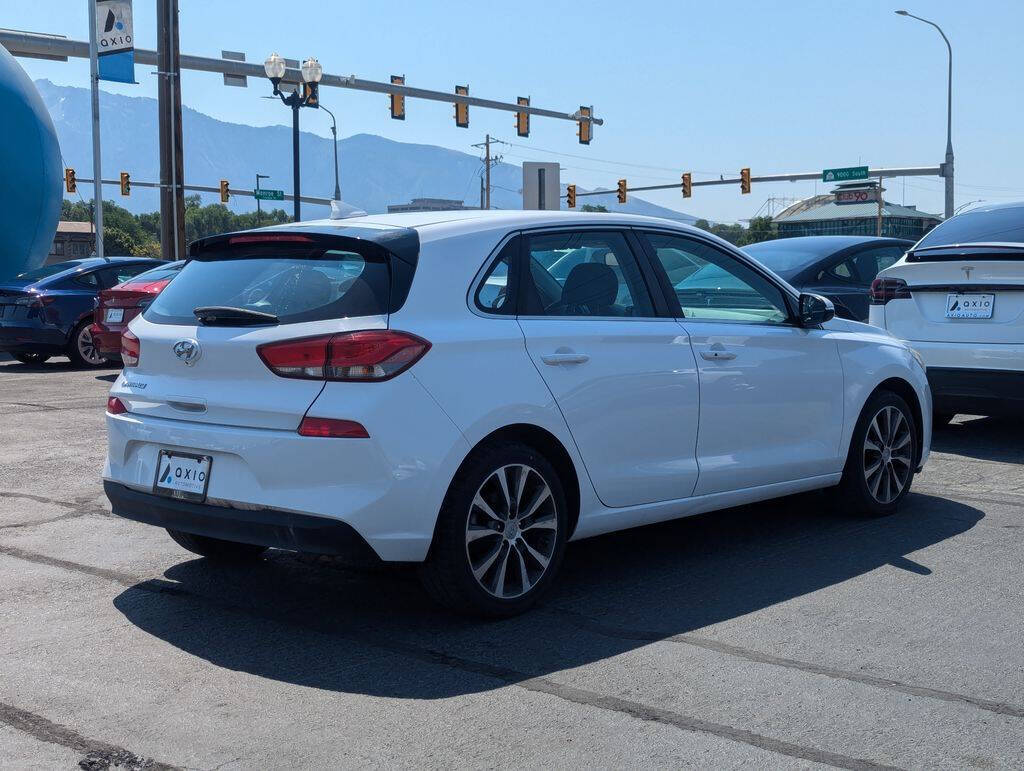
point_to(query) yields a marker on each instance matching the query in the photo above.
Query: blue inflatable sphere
(31, 177)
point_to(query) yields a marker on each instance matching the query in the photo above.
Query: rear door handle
(554, 359)
(717, 355)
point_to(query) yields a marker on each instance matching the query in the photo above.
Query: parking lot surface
(776, 635)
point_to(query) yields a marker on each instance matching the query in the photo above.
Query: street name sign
(842, 175)
(268, 195)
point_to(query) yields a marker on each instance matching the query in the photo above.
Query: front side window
(721, 288)
(584, 273)
(871, 261)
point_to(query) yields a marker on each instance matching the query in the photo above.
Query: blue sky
(707, 87)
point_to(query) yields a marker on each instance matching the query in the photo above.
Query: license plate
(115, 315)
(182, 475)
(969, 306)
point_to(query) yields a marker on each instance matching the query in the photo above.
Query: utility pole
(172, 165)
(94, 80)
(488, 162)
(880, 203)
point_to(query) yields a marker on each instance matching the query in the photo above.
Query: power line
(603, 160)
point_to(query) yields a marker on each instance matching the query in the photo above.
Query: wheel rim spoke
(888, 441)
(513, 503)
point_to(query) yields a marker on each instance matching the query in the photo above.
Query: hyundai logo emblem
(188, 351)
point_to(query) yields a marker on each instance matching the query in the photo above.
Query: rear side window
(294, 283)
(496, 293)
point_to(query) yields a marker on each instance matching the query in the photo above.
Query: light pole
(334, 131)
(275, 68)
(947, 170)
(259, 212)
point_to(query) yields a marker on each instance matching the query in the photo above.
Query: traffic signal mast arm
(908, 171)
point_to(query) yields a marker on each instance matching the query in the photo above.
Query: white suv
(433, 388)
(958, 297)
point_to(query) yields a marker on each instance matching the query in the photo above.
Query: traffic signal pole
(172, 162)
(94, 81)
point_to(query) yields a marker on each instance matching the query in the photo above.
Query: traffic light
(70, 183)
(570, 196)
(523, 118)
(310, 94)
(126, 183)
(223, 191)
(744, 180)
(398, 100)
(461, 108)
(622, 191)
(584, 125)
(687, 185)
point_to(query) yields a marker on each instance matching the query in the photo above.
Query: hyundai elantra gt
(471, 390)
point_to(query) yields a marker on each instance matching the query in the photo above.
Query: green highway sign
(842, 175)
(268, 195)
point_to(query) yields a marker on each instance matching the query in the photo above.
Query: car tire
(82, 348)
(216, 549)
(31, 358)
(883, 453)
(505, 571)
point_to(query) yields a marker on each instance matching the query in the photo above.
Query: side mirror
(815, 310)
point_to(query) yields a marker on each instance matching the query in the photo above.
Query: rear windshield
(47, 270)
(983, 226)
(293, 283)
(158, 274)
(786, 256)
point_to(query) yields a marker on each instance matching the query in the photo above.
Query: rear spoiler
(951, 252)
(399, 247)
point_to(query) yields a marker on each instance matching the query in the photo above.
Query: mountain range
(375, 171)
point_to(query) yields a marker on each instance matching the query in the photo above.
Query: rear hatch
(959, 294)
(15, 303)
(199, 339)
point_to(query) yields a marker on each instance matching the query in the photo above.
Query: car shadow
(302, 621)
(59, 364)
(996, 439)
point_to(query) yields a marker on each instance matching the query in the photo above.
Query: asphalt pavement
(780, 635)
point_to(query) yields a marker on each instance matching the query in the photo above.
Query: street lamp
(334, 131)
(276, 67)
(947, 170)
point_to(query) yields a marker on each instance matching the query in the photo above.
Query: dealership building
(851, 209)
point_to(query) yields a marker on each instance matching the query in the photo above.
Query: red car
(116, 306)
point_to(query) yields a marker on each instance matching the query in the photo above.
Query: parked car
(839, 267)
(48, 311)
(958, 297)
(385, 398)
(116, 306)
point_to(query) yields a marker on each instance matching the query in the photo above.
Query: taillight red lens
(368, 355)
(129, 349)
(885, 289)
(329, 427)
(115, 406)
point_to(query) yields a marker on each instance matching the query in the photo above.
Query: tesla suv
(48, 311)
(958, 297)
(118, 305)
(420, 388)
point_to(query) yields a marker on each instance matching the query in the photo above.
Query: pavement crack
(40, 499)
(97, 755)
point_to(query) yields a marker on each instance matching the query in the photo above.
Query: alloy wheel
(887, 454)
(511, 531)
(87, 348)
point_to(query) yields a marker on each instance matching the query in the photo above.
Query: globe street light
(311, 71)
(947, 170)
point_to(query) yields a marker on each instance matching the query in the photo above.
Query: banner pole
(94, 79)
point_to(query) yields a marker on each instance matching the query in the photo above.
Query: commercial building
(72, 241)
(428, 204)
(851, 209)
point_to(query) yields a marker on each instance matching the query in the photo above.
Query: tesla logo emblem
(188, 351)
(967, 271)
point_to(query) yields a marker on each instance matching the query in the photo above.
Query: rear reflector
(130, 349)
(329, 427)
(885, 289)
(370, 355)
(115, 406)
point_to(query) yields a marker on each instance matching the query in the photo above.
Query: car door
(623, 374)
(771, 392)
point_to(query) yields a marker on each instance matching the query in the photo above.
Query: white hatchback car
(425, 388)
(958, 297)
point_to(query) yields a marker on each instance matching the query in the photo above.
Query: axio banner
(115, 40)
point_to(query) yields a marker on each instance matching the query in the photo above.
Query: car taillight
(885, 289)
(115, 406)
(331, 427)
(369, 355)
(130, 349)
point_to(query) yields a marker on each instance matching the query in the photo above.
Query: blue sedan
(48, 311)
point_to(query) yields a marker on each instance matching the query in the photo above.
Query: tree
(761, 229)
(593, 207)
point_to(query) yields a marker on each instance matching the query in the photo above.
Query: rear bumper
(1006, 357)
(107, 340)
(263, 527)
(977, 391)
